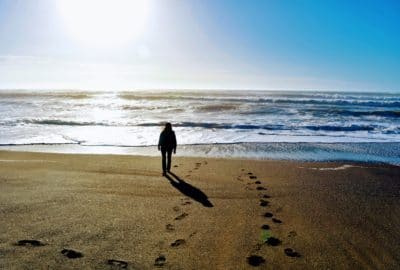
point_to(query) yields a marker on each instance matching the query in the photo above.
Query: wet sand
(60, 211)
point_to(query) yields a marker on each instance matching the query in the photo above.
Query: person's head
(168, 127)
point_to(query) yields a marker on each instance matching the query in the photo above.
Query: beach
(85, 211)
(282, 119)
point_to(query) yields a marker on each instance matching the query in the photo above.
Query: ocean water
(260, 124)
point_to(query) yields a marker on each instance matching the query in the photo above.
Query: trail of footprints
(69, 253)
(268, 239)
(161, 260)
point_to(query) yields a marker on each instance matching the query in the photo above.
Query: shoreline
(210, 213)
(157, 155)
(366, 152)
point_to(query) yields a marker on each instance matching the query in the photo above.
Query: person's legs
(169, 152)
(164, 165)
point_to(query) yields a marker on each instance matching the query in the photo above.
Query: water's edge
(386, 153)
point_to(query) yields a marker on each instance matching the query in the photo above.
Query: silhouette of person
(167, 144)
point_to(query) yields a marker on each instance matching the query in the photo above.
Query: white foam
(100, 118)
(343, 167)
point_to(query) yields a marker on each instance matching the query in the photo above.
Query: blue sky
(321, 45)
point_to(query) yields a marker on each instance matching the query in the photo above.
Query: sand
(118, 212)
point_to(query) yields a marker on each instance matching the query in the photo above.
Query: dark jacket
(167, 140)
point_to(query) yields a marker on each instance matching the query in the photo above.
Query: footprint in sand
(265, 227)
(292, 234)
(160, 261)
(178, 242)
(257, 247)
(33, 243)
(257, 182)
(266, 196)
(261, 188)
(250, 173)
(117, 263)
(71, 254)
(264, 203)
(268, 215)
(176, 208)
(255, 260)
(181, 216)
(176, 166)
(275, 220)
(253, 177)
(272, 241)
(170, 227)
(291, 253)
(186, 203)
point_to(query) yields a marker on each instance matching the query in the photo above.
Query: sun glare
(104, 23)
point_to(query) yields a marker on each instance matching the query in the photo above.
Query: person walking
(167, 144)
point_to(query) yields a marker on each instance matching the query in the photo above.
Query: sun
(104, 23)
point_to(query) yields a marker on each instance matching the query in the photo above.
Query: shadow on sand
(188, 190)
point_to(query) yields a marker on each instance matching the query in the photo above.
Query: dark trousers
(166, 158)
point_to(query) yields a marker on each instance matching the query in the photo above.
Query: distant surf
(134, 119)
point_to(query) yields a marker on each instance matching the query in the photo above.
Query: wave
(62, 122)
(214, 125)
(391, 103)
(337, 112)
(341, 128)
(231, 97)
(45, 94)
(334, 102)
(159, 95)
(218, 107)
(376, 113)
(209, 125)
(267, 127)
(393, 130)
(181, 97)
(132, 108)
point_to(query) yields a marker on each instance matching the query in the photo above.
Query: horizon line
(198, 89)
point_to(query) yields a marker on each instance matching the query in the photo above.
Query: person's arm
(175, 144)
(159, 143)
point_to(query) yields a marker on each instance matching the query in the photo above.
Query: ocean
(293, 125)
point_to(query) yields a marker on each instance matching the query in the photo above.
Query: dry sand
(120, 208)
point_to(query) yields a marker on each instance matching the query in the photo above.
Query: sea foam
(135, 119)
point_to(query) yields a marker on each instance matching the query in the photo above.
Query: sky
(351, 45)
